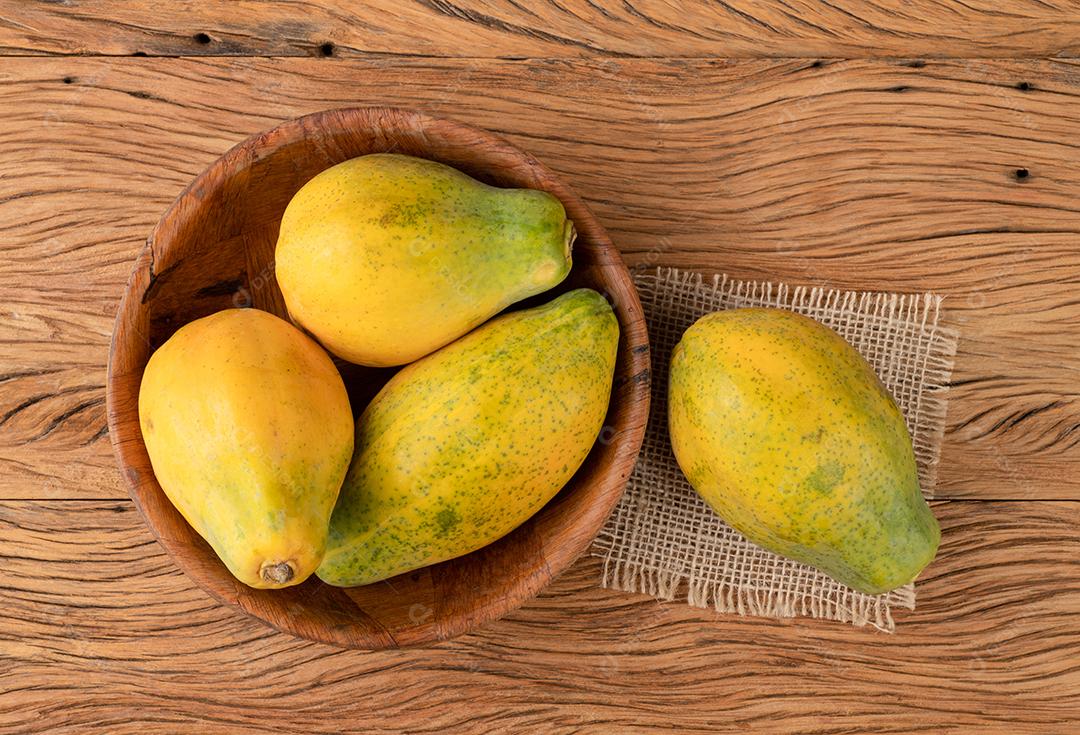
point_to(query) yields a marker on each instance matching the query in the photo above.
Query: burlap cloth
(663, 540)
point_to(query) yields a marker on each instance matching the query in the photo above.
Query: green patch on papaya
(826, 477)
(446, 520)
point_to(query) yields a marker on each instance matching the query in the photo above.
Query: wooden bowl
(214, 249)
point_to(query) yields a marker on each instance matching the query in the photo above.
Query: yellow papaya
(464, 445)
(249, 431)
(786, 431)
(385, 258)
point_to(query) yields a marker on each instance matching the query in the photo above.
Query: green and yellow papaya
(385, 258)
(464, 445)
(249, 431)
(786, 431)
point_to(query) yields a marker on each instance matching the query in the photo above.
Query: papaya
(249, 431)
(385, 258)
(464, 445)
(787, 433)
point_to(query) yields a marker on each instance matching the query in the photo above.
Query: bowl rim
(122, 389)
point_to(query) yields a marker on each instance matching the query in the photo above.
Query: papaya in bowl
(213, 249)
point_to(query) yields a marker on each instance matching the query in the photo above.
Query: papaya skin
(249, 431)
(787, 433)
(466, 444)
(385, 258)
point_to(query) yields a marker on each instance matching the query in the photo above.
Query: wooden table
(904, 145)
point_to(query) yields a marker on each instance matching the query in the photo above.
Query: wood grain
(577, 28)
(861, 174)
(102, 633)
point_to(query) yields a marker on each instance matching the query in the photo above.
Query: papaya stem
(279, 573)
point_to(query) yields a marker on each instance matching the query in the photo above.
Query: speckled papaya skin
(464, 445)
(788, 434)
(249, 431)
(385, 257)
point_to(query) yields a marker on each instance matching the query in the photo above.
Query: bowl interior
(213, 249)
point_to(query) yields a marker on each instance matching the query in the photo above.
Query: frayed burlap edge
(843, 605)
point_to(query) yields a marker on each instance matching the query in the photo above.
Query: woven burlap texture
(664, 541)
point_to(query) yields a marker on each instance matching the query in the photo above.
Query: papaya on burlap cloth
(663, 540)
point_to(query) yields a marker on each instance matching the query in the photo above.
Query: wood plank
(574, 28)
(100, 632)
(862, 175)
